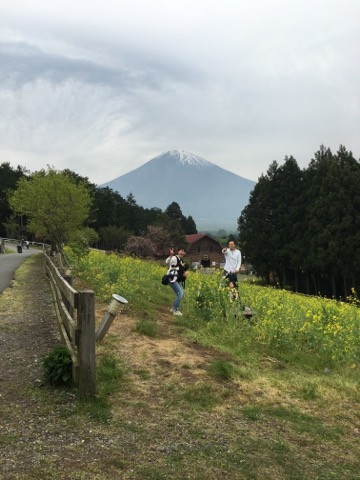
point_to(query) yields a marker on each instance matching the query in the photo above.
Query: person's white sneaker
(177, 312)
(171, 310)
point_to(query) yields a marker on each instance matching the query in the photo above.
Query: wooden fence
(75, 311)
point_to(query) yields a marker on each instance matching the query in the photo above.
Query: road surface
(10, 262)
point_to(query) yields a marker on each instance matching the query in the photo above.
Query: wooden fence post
(86, 348)
(69, 279)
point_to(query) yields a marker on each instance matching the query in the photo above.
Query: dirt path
(166, 355)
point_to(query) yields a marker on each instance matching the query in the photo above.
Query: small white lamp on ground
(115, 306)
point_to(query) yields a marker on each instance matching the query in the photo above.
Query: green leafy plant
(58, 366)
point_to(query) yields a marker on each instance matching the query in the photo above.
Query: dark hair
(181, 248)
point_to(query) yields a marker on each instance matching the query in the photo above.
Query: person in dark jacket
(175, 262)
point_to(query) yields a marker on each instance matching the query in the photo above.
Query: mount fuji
(213, 196)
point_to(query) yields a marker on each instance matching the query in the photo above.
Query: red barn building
(205, 249)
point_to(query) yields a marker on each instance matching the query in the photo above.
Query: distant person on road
(176, 263)
(232, 262)
(27, 244)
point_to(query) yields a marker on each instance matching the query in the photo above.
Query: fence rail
(75, 312)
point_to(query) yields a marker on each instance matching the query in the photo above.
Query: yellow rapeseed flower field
(284, 320)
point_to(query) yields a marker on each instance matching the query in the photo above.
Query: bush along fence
(75, 312)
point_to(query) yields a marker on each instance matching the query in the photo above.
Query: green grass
(111, 374)
(146, 327)
(309, 391)
(269, 411)
(221, 369)
(8, 439)
(143, 373)
(200, 396)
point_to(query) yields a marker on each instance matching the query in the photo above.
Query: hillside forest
(116, 223)
(299, 231)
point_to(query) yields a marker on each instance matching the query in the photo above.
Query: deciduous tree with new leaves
(56, 207)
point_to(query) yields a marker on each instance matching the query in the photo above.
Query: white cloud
(102, 87)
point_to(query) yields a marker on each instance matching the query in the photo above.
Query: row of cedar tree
(300, 229)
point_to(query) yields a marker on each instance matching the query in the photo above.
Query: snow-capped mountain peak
(196, 184)
(187, 159)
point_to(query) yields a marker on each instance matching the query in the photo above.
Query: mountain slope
(213, 196)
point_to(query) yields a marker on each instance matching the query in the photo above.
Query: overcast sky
(101, 87)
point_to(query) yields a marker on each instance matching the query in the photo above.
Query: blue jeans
(179, 292)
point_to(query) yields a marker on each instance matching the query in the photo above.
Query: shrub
(58, 366)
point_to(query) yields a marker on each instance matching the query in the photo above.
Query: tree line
(61, 206)
(301, 227)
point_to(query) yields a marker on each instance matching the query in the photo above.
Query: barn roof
(194, 237)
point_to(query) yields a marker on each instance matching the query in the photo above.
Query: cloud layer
(102, 87)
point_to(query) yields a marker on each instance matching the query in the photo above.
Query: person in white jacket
(232, 262)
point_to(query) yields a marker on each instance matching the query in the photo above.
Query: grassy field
(205, 396)
(217, 395)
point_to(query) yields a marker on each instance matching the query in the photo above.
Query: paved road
(10, 262)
